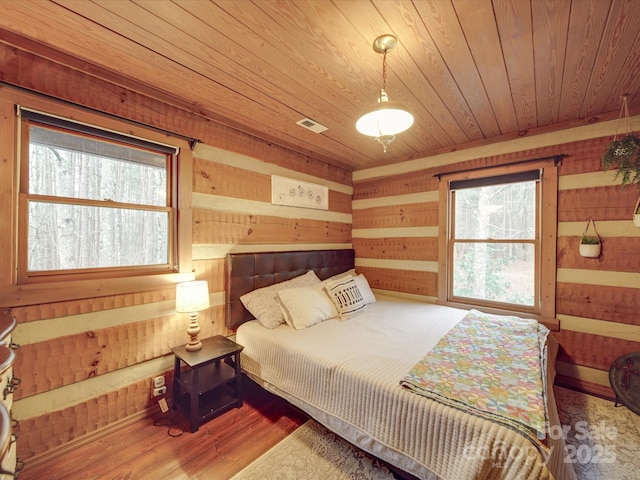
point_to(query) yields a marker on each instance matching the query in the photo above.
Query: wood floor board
(117, 448)
(142, 450)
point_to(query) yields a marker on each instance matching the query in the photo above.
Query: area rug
(312, 452)
(603, 443)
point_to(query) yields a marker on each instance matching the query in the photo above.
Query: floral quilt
(490, 366)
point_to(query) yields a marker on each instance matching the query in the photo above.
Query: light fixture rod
(384, 44)
(385, 119)
(384, 71)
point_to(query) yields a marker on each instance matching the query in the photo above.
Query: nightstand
(207, 382)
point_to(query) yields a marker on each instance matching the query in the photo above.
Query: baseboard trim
(585, 386)
(88, 438)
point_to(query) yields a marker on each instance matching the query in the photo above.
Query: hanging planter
(623, 154)
(590, 245)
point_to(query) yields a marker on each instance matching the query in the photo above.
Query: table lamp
(192, 297)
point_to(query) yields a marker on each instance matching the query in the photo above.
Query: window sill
(35, 294)
(551, 323)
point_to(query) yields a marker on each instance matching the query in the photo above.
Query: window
(93, 203)
(44, 258)
(499, 248)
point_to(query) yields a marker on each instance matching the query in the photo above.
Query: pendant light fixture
(386, 118)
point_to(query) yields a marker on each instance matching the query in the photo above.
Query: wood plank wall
(395, 233)
(87, 365)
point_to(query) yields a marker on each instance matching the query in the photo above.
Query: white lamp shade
(386, 118)
(192, 296)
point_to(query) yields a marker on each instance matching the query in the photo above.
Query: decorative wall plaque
(294, 193)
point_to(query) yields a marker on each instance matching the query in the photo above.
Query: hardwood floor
(218, 450)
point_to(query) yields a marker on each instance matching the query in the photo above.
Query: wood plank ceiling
(470, 70)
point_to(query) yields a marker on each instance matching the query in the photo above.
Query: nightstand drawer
(212, 403)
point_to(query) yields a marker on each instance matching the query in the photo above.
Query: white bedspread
(346, 375)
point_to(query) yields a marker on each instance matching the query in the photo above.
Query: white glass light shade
(386, 118)
(192, 296)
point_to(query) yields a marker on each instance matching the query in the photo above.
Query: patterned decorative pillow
(262, 302)
(346, 296)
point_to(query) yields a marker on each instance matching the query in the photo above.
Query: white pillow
(305, 306)
(262, 301)
(346, 296)
(365, 289)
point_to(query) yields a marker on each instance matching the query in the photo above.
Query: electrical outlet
(159, 391)
(163, 405)
(158, 381)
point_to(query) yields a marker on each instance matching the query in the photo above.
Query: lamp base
(193, 330)
(193, 346)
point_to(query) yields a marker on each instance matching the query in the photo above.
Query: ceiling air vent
(311, 125)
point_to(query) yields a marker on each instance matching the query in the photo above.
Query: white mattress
(346, 375)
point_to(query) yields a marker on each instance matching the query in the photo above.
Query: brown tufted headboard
(247, 271)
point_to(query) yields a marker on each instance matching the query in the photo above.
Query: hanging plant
(624, 154)
(590, 245)
(590, 240)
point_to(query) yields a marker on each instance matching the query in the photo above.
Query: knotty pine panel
(211, 270)
(583, 45)
(156, 108)
(580, 157)
(421, 181)
(497, 160)
(593, 351)
(213, 227)
(550, 22)
(599, 203)
(227, 181)
(339, 202)
(583, 157)
(402, 184)
(32, 313)
(615, 304)
(397, 248)
(408, 215)
(39, 434)
(408, 281)
(220, 179)
(93, 353)
(619, 254)
(484, 48)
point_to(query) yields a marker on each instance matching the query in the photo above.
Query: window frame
(29, 118)
(546, 226)
(13, 291)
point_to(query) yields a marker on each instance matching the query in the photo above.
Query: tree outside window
(94, 203)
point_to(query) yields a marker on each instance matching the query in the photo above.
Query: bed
(350, 373)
